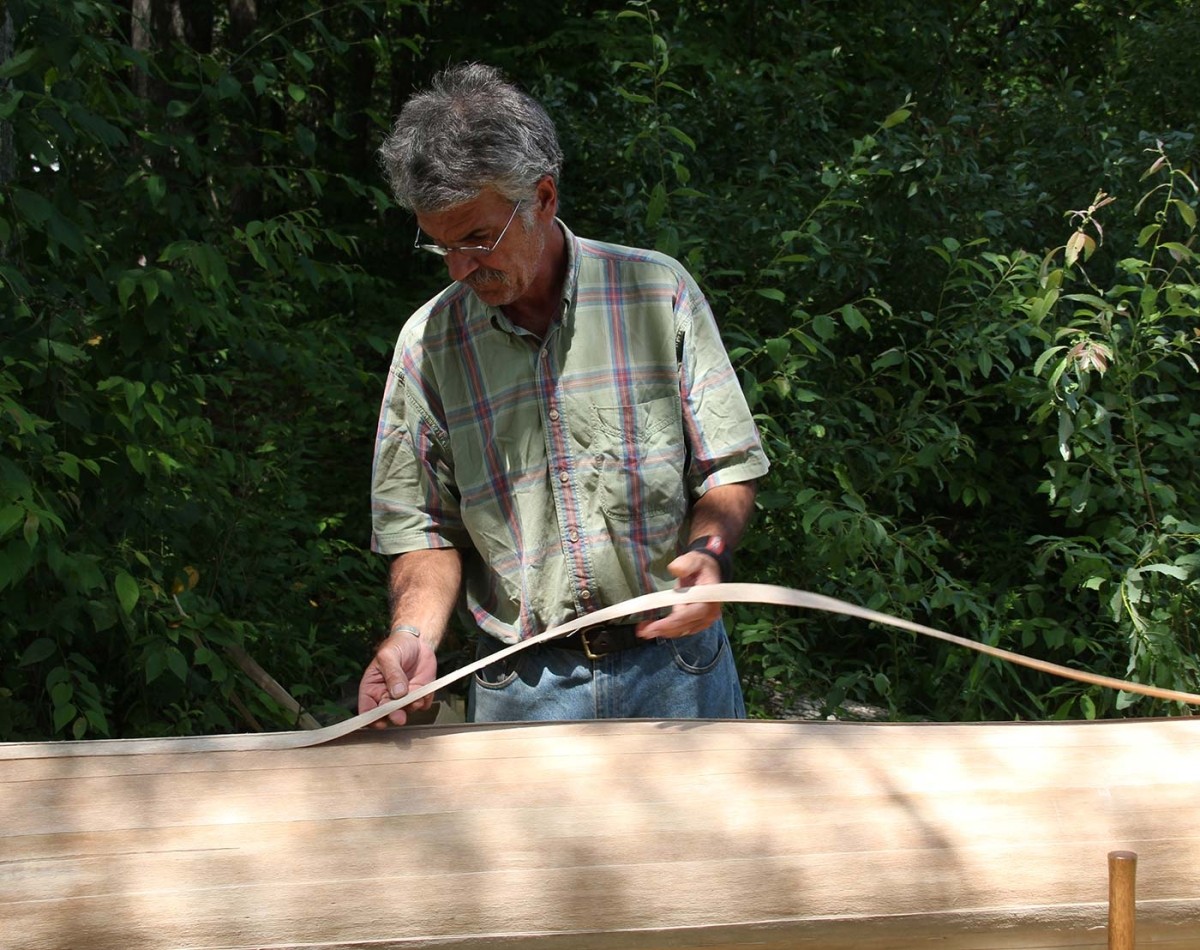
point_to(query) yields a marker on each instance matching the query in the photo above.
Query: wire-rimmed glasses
(474, 250)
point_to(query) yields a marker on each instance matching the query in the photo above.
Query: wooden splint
(635, 834)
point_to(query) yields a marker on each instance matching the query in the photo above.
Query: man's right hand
(402, 663)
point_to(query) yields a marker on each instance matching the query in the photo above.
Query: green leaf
(177, 663)
(889, 357)
(1045, 358)
(32, 525)
(156, 188)
(900, 115)
(1066, 429)
(9, 103)
(824, 327)
(127, 592)
(41, 649)
(1042, 305)
(778, 348)
(1170, 570)
(176, 249)
(682, 137)
(125, 288)
(228, 86)
(658, 204)
(771, 293)
(10, 517)
(1186, 211)
(97, 720)
(33, 207)
(156, 662)
(634, 97)
(1098, 302)
(63, 715)
(303, 60)
(854, 319)
(22, 62)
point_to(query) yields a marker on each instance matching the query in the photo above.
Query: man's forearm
(723, 510)
(423, 587)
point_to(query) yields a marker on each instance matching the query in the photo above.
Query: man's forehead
(476, 215)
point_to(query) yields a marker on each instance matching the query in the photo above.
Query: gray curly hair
(470, 130)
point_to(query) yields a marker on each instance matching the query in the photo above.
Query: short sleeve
(414, 499)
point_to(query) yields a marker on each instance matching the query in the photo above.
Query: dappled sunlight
(655, 830)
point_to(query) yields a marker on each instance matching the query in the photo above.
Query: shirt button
(573, 536)
(563, 477)
(554, 415)
(585, 594)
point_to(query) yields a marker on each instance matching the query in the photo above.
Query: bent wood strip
(710, 593)
(630, 834)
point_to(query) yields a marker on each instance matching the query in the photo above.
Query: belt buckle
(587, 647)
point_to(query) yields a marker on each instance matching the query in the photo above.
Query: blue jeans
(686, 678)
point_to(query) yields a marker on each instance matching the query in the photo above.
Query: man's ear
(547, 197)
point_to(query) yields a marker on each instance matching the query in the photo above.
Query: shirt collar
(571, 281)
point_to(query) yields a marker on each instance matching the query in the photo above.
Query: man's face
(505, 275)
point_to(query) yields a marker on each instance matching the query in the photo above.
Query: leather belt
(595, 642)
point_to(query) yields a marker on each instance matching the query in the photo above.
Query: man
(561, 431)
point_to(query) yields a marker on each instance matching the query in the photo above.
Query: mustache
(486, 276)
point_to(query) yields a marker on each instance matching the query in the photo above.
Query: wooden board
(630, 834)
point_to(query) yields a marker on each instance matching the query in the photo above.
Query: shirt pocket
(639, 452)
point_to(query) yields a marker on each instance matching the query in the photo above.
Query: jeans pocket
(501, 673)
(700, 652)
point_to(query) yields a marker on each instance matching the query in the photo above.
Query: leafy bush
(978, 417)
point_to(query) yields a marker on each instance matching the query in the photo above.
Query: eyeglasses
(475, 250)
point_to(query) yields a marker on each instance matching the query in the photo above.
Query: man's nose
(461, 266)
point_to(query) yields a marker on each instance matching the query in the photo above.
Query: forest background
(951, 246)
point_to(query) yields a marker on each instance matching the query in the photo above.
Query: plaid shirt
(563, 468)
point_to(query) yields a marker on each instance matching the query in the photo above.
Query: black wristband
(714, 546)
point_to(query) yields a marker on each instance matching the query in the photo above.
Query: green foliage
(978, 417)
(175, 391)
(1121, 382)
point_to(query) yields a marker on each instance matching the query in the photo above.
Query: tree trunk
(7, 154)
(243, 20)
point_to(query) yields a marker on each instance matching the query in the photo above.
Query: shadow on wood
(631, 834)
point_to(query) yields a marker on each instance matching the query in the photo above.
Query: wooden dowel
(1122, 900)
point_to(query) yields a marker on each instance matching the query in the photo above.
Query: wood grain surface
(621, 834)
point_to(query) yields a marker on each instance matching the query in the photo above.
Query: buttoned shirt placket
(561, 471)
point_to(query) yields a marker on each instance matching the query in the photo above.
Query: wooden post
(1122, 901)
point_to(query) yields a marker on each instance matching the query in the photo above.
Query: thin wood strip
(710, 593)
